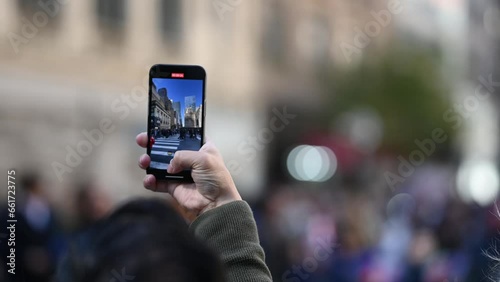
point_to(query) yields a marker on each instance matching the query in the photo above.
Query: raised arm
(223, 220)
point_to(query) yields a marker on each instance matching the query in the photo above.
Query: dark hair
(144, 239)
(29, 179)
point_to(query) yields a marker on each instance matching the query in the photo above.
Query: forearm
(231, 231)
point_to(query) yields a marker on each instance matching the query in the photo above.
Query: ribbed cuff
(234, 215)
(230, 230)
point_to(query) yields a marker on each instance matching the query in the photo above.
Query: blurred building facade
(83, 53)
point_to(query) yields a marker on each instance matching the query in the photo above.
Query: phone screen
(176, 114)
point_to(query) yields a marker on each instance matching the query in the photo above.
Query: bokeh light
(363, 127)
(311, 163)
(478, 182)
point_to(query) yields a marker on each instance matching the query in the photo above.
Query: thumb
(182, 160)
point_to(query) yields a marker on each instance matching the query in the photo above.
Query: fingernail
(147, 185)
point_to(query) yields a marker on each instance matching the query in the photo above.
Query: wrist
(231, 196)
(227, 200)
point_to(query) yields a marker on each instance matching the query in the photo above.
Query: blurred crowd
(420, 232)
(44, 229)
(350, 229)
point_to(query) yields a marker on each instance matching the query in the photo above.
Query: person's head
(92, 202)
(31, 182)
(144, 240)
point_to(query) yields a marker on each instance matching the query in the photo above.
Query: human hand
(213, 185)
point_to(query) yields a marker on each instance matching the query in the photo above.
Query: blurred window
(41, 13)
(170, 20)
(111, 18)
(274, 34)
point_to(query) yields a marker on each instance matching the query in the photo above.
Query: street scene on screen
(175, 118)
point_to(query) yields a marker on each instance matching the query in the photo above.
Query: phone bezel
(194, 72)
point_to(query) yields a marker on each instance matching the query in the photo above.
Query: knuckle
(178, 155)
(207, 159)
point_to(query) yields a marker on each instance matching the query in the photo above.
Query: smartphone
(176, 116)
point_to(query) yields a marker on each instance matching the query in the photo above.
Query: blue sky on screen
(177, 89)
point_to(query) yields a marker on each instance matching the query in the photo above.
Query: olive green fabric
(230, 230)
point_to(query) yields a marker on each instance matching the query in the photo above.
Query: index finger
(142, 139)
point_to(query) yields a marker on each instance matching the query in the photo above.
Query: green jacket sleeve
(231, 231)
